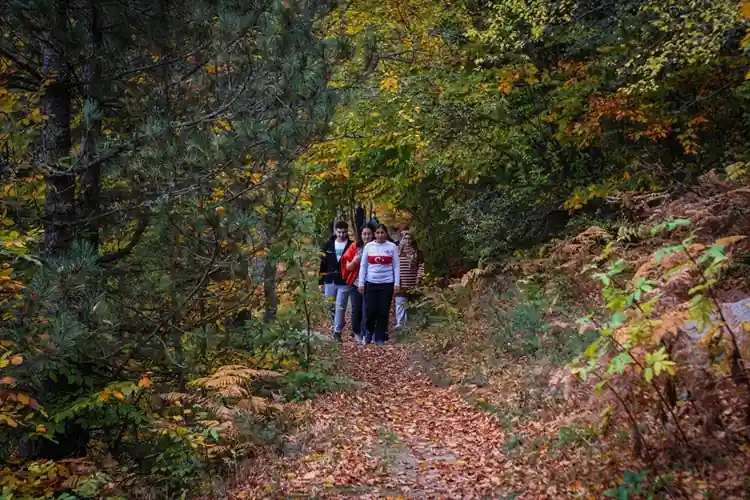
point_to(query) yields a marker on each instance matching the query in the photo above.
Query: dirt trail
(398, 436)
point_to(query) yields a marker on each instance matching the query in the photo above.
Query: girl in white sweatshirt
(379, 278)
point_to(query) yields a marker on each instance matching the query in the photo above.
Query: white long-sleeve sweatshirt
(379, 264)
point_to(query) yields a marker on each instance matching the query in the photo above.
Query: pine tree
(166, 125)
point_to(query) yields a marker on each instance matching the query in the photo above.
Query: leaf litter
(444, 446)
(401, 435)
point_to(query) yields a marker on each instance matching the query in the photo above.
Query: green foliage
(529, 110)
(302, 385)
(522, 329)
(154, 229)
(631, 346)
(632, 483)
(519, 332)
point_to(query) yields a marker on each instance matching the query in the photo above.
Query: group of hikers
(371, 271)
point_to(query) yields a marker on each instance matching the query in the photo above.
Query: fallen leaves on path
(399, 436)
(402, 436)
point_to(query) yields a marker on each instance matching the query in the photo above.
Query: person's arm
(363, 268)
(352, 258)
(344, 265)
(396, 267)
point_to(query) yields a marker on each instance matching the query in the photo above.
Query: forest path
(399, 435)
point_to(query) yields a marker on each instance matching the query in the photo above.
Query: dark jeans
(378, 297)
(358, 313)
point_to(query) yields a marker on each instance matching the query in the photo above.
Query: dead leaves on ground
(400, 437)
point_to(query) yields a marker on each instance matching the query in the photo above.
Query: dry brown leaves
(440, 446)
(401, 436)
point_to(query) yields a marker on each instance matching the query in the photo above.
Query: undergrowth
(563, 380)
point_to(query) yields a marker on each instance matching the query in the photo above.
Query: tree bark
(269, 290)
(90, 179)
(59, 202)
(267, 267)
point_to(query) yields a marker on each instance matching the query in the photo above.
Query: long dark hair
(360, 241)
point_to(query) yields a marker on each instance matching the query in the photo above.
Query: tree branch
(25, 66)
(140, 228)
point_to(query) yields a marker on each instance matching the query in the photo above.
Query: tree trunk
(90, 188)
(269, 290)
(267, 267)
(59, 202)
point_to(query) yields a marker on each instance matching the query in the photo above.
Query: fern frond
(229, 375)
(219, 381)
(253, 404)
(232, 391)
(172, 397)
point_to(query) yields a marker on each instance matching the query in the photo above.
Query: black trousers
(358, 313)
(378, 297)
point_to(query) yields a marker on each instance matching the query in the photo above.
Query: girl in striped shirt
(411, 264)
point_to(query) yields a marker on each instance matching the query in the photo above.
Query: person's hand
(361, 290)
(396, 289)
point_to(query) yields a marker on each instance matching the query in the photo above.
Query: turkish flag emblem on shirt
(379, 259)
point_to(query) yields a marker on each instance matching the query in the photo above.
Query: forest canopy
(168, 169)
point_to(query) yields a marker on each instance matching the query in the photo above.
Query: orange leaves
(648, 121)
(399, 433)
(338, 170)
(669, 323)
(578, 68)
(527, 73)
(8, 359)
(145, 382)
(215, 69)
(108, 393)
(505, 88)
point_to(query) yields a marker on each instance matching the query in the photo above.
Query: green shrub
(519, 331)
(301, 385)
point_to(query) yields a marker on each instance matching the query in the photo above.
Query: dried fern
(224, 396)
(232, 375)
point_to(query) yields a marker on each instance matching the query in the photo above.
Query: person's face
(367, 235)
(380, 235)
(342, 234)
(406, 237)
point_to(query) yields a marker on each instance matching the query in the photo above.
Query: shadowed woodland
(576, 174)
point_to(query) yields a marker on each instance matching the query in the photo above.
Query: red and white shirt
(380, 264)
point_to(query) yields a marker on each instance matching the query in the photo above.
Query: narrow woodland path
(397, 436)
